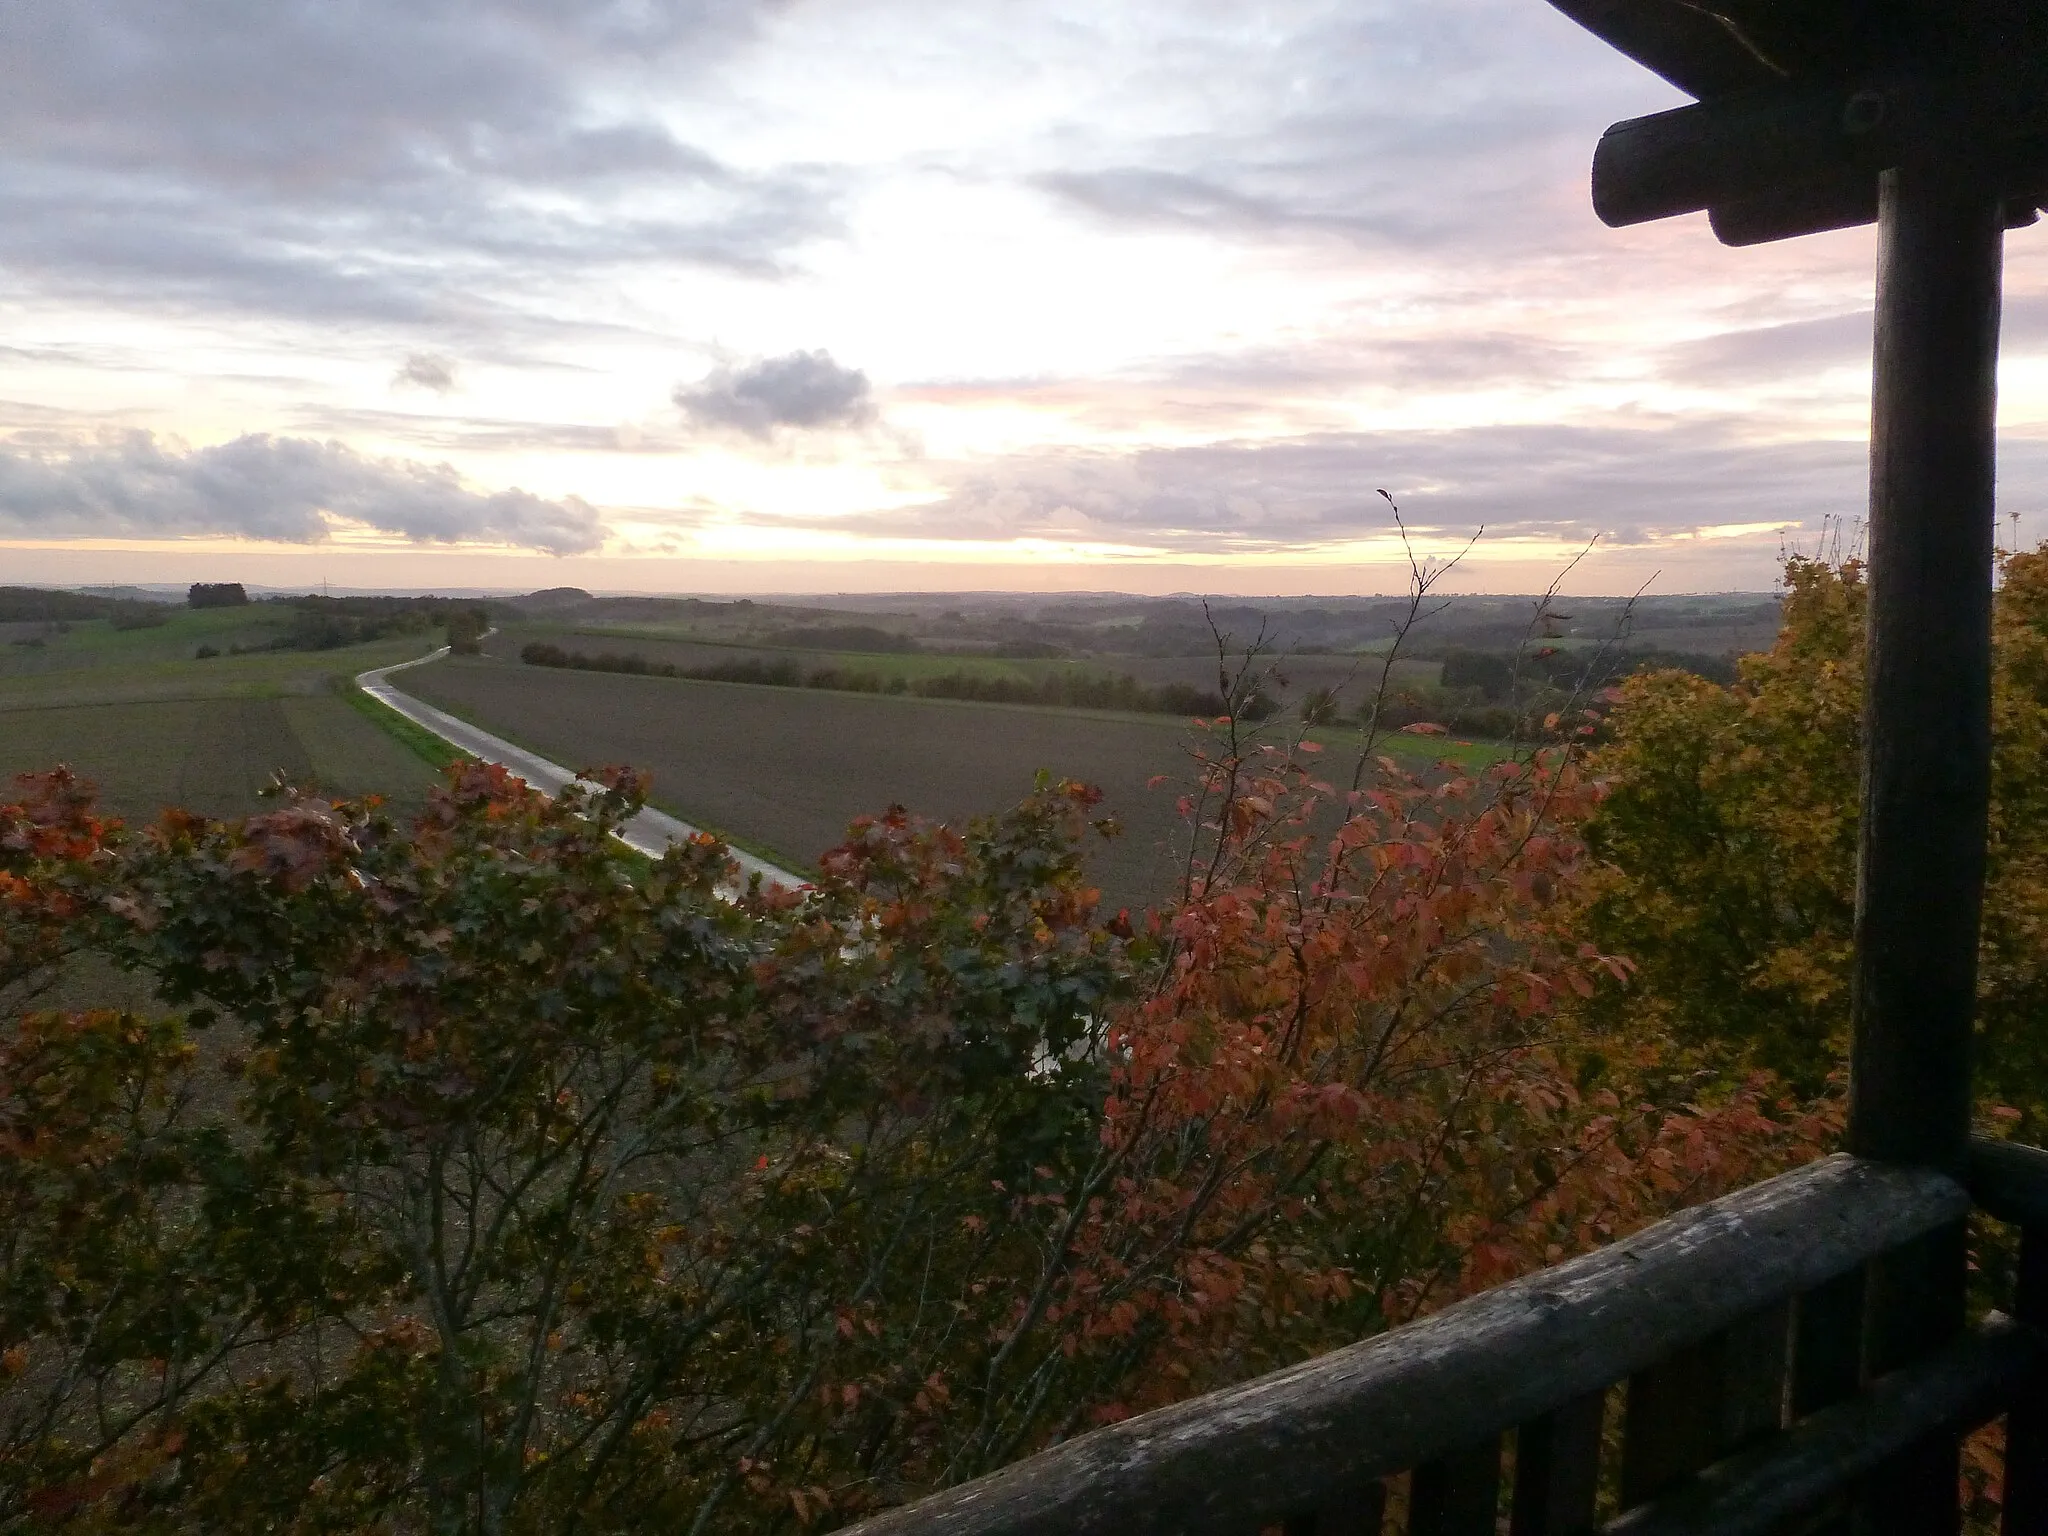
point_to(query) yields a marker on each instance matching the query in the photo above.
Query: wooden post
(1927, 756)
(1927, 743)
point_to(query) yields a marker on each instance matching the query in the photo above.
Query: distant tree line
(329, 623)
(35, 605)
(1071, 690)
(1511, 695)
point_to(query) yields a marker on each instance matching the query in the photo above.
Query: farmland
(780, 770)
(139, 713)
(787, 769)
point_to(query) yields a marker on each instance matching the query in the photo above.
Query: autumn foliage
(476, 1174)
(1727, 846)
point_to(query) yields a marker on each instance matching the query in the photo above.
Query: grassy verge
(415, 737)
(748, 845)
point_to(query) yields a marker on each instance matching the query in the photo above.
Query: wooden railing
(1706, 1374)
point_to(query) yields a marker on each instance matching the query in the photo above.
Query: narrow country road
(650, 832)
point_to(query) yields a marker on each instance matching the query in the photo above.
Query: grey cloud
(801, 391)
(1798, 348)
(1443, 127)
(1627, 484)
(272, 488)
(408, 162)
(426, 370)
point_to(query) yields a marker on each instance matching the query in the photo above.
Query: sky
(874, 295)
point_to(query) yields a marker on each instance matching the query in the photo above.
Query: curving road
(650, 832)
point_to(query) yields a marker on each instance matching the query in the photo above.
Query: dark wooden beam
(1927, 722)
(1927, 757)
(1694, 51)
(1799, 158)
(1846, 200)
(1737, 148)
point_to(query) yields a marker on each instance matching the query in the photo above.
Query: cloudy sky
(817, 295)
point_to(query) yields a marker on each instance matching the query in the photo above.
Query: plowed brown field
(786, 769)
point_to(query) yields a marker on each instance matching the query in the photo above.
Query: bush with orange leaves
(1355, 1089)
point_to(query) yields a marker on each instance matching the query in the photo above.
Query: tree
(216, 594)
(466, 630)
(1729, 840)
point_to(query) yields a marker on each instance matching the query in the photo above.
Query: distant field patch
(214, 756)
(140, 713)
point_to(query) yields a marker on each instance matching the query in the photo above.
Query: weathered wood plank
(1795, 1473)
(1458, 1494)
(1289, 1440)
(2009, 1181)
(1557, 1470)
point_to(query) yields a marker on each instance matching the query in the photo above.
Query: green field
(140, 715)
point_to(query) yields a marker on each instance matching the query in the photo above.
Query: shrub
(216, 594)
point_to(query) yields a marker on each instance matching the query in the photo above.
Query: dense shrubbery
(473, 1174)
(216, 594)
(1073, 690)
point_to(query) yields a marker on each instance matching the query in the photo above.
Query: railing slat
(1757, 1356)
(1557, 1470)
(1457, 1495)
(1917, 1303)
(1827, 1361)
(1698, 1404)
(1360, 1512)
(2026, 1424)
(1232, 1459)
(1671, 1421)
(1798, 1472)
(1827, 1344)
